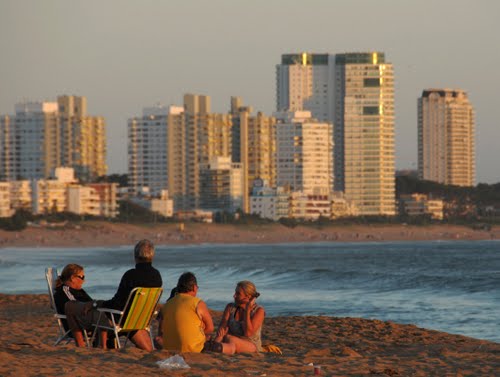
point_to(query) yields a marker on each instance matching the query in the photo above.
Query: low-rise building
(269, 203)
(108, 204)
(341, 207)
(419, 204)
(5, 207)
(20, 195)
(83, 200)
(49, 195)
(309, 206)
(163, 205)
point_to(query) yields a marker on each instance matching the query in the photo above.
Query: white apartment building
(147, 148)
(304, 153)
(446, 137)
(269, 203)
(364, 131)
(83, 200)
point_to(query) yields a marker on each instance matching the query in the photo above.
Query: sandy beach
(342, 346)
(101, 233)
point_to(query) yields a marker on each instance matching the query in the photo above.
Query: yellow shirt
(181, 325)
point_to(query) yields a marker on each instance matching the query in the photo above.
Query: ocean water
(449, 286)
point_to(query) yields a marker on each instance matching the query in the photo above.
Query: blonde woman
(241, 324)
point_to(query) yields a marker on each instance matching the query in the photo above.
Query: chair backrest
(51, 277)
(140, 307)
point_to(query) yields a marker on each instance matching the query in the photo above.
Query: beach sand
(342, 346)
(101, 233)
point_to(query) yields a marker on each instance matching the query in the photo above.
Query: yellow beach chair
(136, 315)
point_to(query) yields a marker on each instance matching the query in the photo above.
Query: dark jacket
(63, 294)
(143, 275)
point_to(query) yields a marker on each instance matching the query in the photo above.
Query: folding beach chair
(51, 277)
(137, 314)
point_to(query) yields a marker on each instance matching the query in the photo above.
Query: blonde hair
(68, 271)
(249, 288)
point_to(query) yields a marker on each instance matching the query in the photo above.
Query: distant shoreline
(101, 233)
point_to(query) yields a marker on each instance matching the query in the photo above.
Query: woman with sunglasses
(71, 299)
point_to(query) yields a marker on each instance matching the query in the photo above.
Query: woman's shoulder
(230, 307)
(258, 308)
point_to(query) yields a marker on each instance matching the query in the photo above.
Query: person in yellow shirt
(186, 322)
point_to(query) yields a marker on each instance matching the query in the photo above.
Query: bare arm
(252, 323)
(206, 318)
(222, 330)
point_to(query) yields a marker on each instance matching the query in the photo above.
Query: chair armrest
(112, 311)
(60, 316)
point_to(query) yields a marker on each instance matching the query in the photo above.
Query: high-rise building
(83, 138)
(254, 146)
(222, 182)
(364, 131)
(44, 135)
(446, 141)
(168, 147)
(304, 81)
(148, 140)
(304, 153)
(354, 92)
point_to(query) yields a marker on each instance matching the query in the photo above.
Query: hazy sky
(124, 55)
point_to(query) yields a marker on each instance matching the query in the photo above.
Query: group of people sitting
(185, 323)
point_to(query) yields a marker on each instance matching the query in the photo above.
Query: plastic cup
(317, 370)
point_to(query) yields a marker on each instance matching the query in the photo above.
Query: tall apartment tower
(354, 92)
(253, 146)
(83, 138)
(364, 131)
(148, 141)
(446, 141)
(304, 81)
(304, 153)
(168, 147)
(44, 135)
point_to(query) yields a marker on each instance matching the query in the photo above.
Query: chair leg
(86, 337)
(117, 339)
(151, 337)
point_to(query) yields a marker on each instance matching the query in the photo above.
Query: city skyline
(125, 56)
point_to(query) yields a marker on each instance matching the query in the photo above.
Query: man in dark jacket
(143, 275)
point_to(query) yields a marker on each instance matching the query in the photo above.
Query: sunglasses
(81, 277)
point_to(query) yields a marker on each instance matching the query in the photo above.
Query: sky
(124, 55)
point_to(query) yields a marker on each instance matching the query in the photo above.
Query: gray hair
(144, 251)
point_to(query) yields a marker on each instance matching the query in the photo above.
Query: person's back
(182, 327)
(186, 321)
